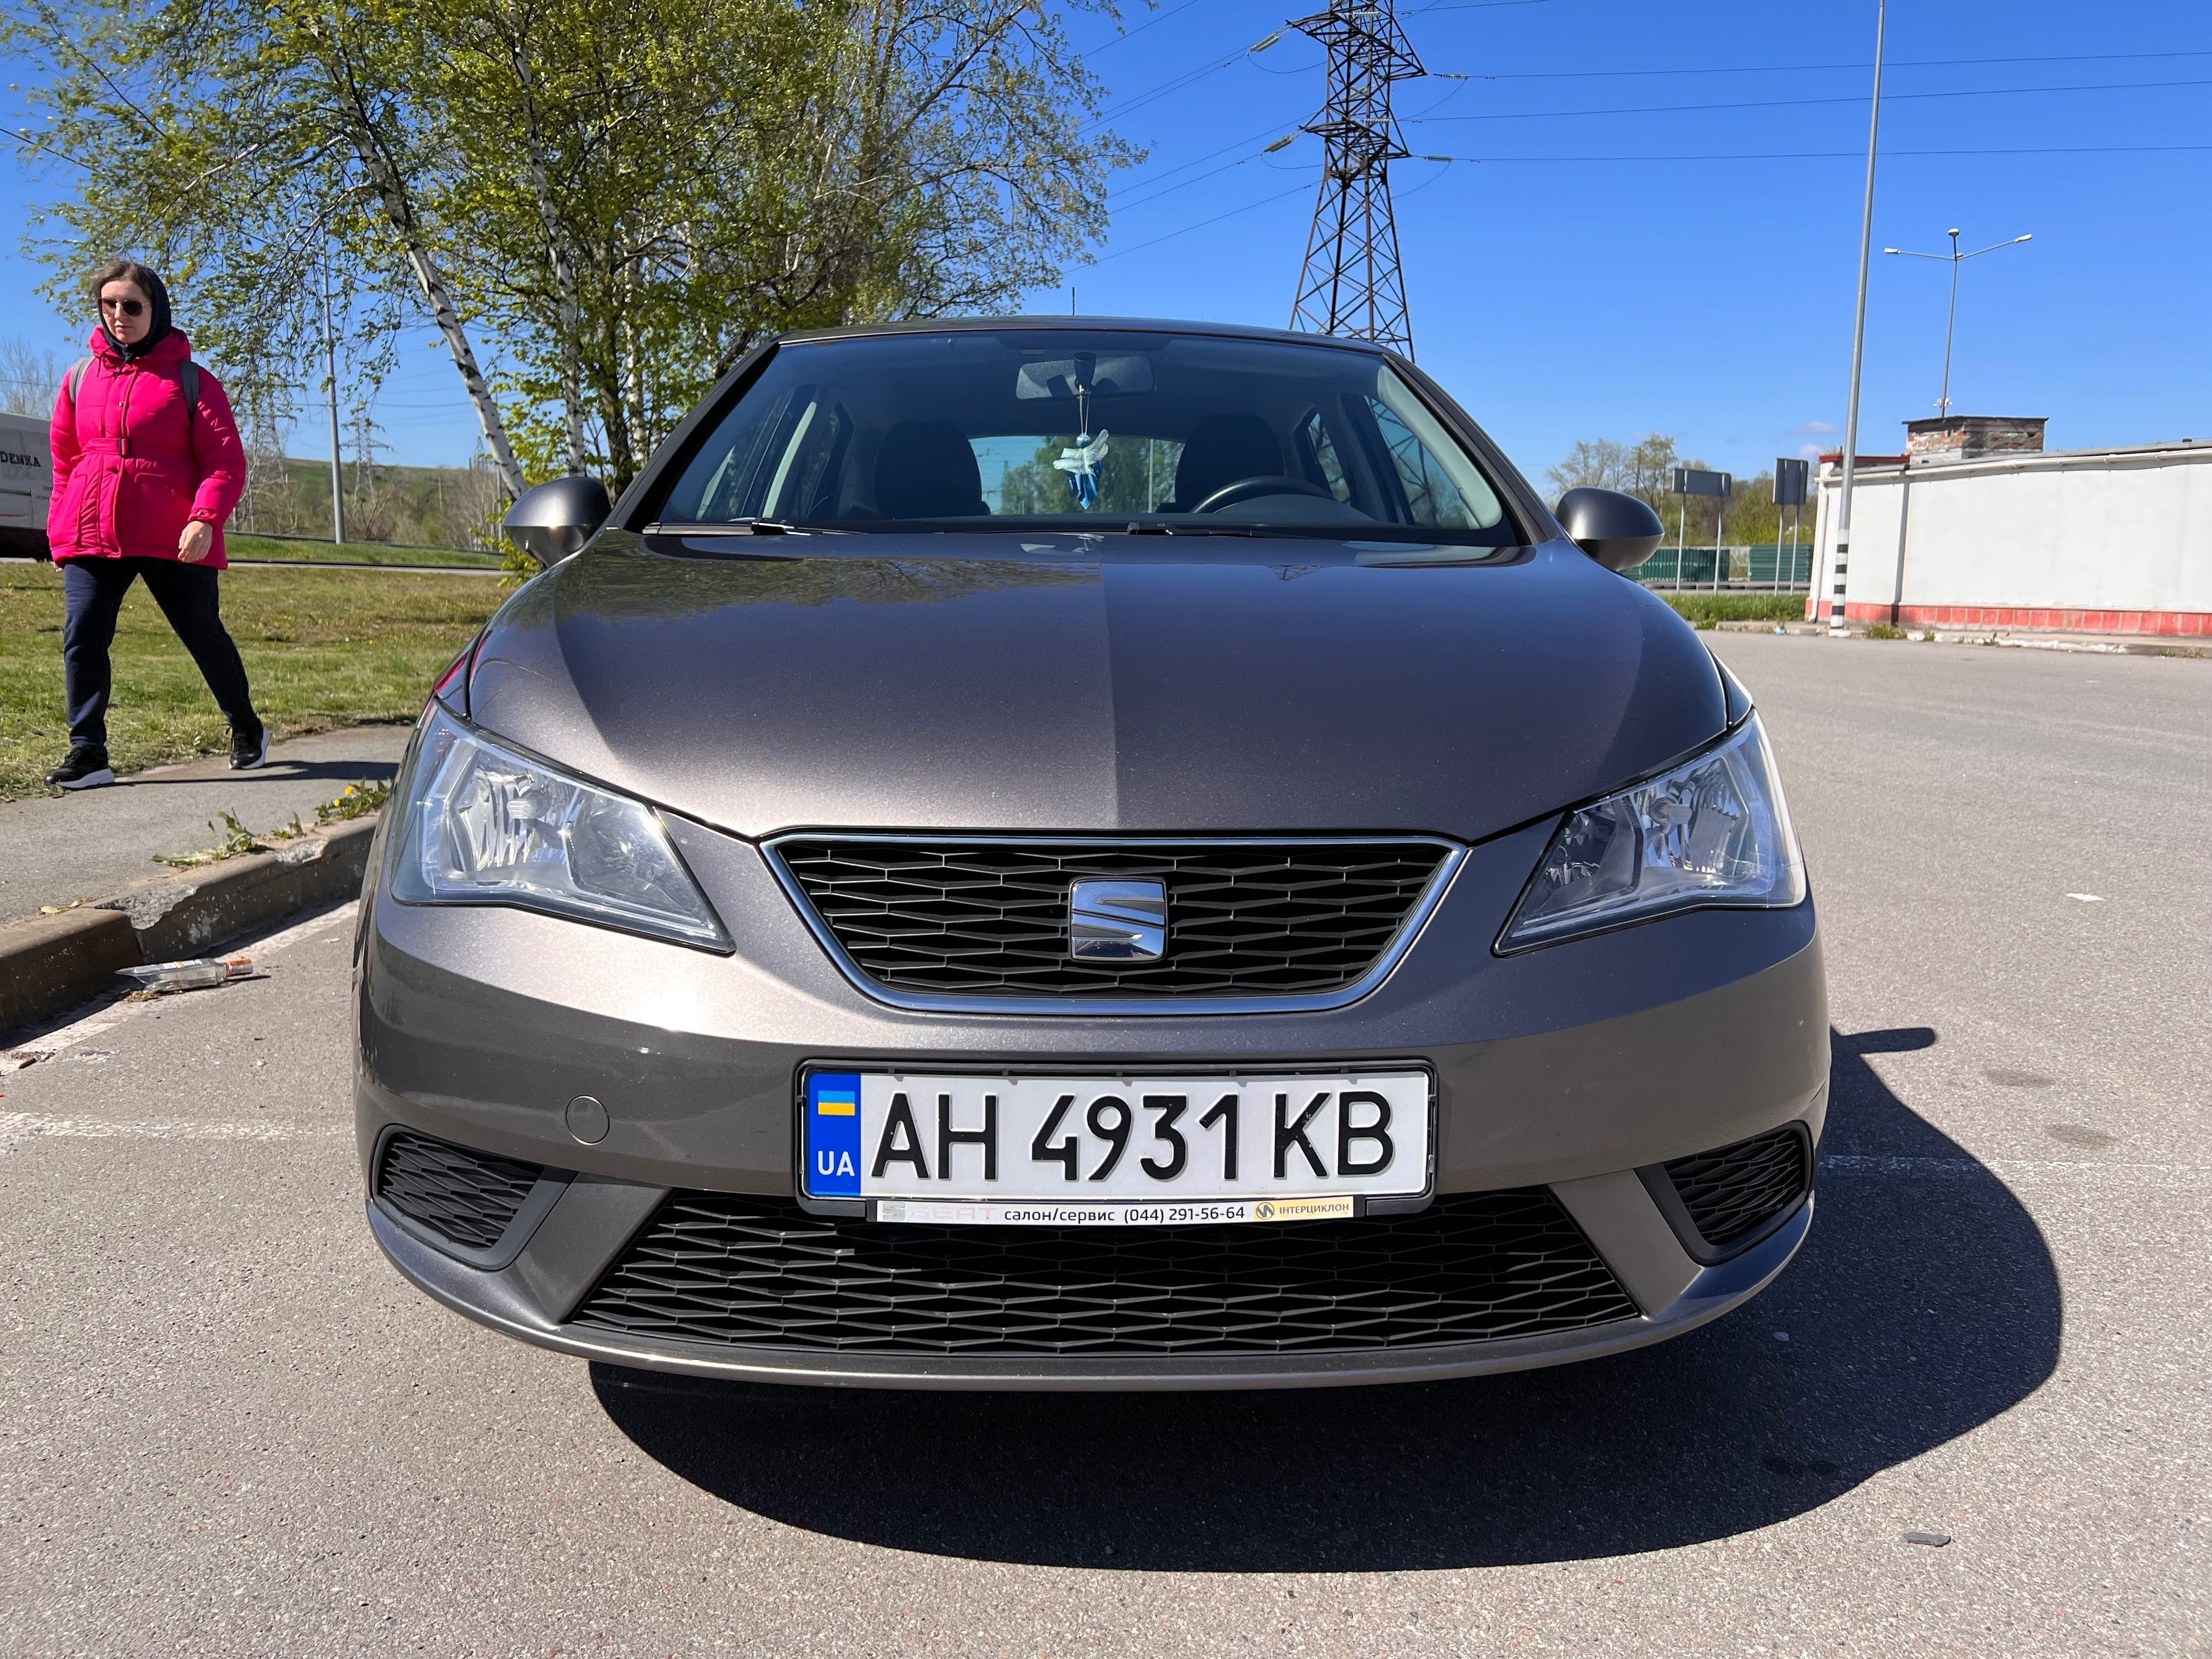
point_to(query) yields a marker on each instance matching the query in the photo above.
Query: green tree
(1645, 469)
(624, 195)
(1640, 469)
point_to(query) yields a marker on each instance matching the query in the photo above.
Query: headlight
(486, 826)
(1713, 831)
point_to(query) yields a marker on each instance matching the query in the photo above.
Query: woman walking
(147, 467)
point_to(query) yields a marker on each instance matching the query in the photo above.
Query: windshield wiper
(1138, 528)
(754, 526)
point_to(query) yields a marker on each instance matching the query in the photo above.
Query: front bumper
(515, 1301)
(1572, 1068)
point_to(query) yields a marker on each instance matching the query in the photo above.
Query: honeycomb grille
(762, 1273)
(1734, 1192)
(464, 1196)
(1282, 919)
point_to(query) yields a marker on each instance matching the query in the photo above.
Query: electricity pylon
(1351, 283)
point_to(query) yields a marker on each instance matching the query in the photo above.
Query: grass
(243, 549)
(357, 800)
(1705, 608)
(323, 649)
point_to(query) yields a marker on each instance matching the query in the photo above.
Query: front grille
(464, 1196)
(968, 918)
(762, 1273)
(1735, 1191)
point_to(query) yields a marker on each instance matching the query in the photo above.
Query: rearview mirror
(1618, 531)
(552, 520)
(1100, 377)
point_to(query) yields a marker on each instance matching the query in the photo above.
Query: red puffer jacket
(133, 465)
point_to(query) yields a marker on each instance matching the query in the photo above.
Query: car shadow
(1924, 1303)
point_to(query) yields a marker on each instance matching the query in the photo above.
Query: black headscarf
(157, 295)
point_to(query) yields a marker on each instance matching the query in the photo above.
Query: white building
(1979, 526)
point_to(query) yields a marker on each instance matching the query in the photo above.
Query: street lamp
(1957, 258)
(1842, 561)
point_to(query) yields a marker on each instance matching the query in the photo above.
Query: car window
(1041, 474)
(981, 428)
(1438, 485)
(1319, 452)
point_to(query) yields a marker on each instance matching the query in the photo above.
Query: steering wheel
(1270, 483)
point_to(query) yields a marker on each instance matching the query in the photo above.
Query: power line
(1295, 190)
(1142, 27)
(1196, 160)
(1793, 103)
(1211, 173)
(1182, 81)
(1837, 154)
(1757, 155)
(1807, 68)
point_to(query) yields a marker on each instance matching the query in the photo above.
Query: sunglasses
(128, 307)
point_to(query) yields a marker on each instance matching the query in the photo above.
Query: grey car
(1052, 855)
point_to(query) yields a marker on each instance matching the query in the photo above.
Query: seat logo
(1117, 920)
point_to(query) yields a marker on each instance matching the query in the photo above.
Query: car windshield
(1095, 428)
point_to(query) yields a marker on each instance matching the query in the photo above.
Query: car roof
(1111, 324)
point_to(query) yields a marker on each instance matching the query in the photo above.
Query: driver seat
(1220, 449)
(926, 469)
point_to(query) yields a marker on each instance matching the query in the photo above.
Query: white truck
(26, 480)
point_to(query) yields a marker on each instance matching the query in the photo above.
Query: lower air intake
(762, 1273)
(468, 1198)
(1731, 1193)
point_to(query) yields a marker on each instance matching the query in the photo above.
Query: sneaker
(86, 767)
(248, 749)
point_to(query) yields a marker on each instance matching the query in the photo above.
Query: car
(1067, 854)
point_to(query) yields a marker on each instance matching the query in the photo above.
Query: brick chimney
(1969, 437)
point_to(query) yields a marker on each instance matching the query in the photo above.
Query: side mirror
(1618, 531)
(554, 520)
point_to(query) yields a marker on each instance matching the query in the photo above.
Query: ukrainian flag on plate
(833, 1135)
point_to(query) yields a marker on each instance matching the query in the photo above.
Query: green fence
(1767, 567)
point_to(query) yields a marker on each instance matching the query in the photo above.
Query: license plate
(1114, 1152)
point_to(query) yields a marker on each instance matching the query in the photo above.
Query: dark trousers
(186, 593)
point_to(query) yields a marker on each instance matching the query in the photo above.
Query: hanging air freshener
(1081, 464)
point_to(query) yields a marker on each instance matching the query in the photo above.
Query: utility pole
(331, 381)
(1858, 340)
(1957, 258)
(1351, 283)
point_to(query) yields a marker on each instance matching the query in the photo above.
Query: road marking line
(24, 1126)
(305, 929)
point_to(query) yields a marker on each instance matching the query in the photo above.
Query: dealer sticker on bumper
(1077, 1152)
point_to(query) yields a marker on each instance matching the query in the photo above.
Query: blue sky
(1562, 296)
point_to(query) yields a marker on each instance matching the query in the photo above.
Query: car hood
(935, 682)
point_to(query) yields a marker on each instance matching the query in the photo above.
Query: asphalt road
(225, 1426)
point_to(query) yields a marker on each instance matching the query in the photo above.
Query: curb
(48, 963)
(2117, 645)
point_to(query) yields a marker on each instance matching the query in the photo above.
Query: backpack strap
(188, 377)
(188, 380)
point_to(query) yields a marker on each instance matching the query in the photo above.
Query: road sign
(1790, 479)
(1696, 481)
